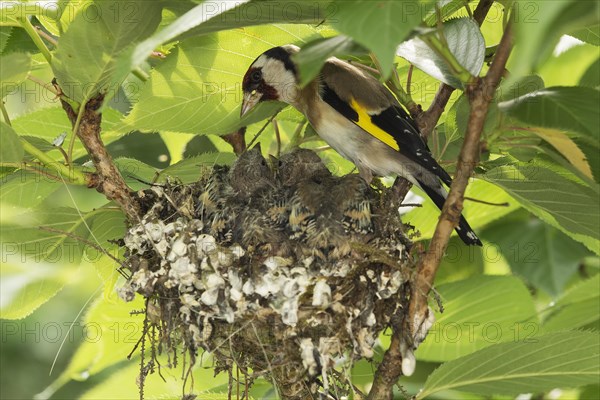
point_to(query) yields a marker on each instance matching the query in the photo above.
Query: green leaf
(14, 69)
(555, 195)
(20, 42)
(592, 155)
(591, 77)
(479, 312)
(198, 15)
(111, 334)
(263, 12)
(12, 11)
(49, 123)
(460, 262)
(198, 86)
(394, 21)
(85, 62)
(134, 170)
(206, 385)
(11, 149)
(578, 308)
(446, 9)
(465, 42)
(311, 57)
(521, 87)
(5, 32)
(562, 359)
(26, 286)
(67, 10)
(590, 392)
(565, 68)
(146, 147)
(568, 148)
(59, 235)
(566, 108)
(192, 169)
(541, 254)
(589, 34)
(425, 218)
(24, 189)
(538, 27)
(457, 119)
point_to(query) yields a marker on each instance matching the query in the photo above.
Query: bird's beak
(250, 101)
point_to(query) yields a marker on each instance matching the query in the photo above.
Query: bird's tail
(464, 230)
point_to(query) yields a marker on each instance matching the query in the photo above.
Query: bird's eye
(256, 76)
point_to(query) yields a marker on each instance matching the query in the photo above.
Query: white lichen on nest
(286, 262)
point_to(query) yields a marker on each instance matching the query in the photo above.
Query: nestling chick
(299, 165)
(250, 173)
(357, 116)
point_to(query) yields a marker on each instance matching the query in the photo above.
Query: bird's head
(272, 76)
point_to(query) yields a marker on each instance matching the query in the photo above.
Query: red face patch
(253, 80)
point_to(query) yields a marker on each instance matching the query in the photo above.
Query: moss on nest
(281, 270)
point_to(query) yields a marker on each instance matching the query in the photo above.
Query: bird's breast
(337, 131)
(354, 144)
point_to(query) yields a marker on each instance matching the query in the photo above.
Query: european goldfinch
(357, 116)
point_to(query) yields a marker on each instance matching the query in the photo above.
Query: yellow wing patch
(364, 121)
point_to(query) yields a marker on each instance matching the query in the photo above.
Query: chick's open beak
(250, 101)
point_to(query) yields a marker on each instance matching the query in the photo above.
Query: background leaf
(538, 27)
(198, 88)
(555, 195)
(565, 108)
(522, 367)
(425, 218)
(466, 43)
(394, 21)
(14, 68)
(26, 286)
(11, 149)
(541, 254)
(49, 123)
(85, 63)
(311, 57)
(479, 312)
(577, 308)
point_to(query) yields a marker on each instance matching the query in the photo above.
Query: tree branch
(107, 179)
(480, 95)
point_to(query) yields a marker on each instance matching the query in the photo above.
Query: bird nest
(279, 269)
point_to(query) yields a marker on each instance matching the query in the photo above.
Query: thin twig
(44, 35)
(277, 137)
(262, 129)
(84, 241)
(5, 113)
(409, 78)
(35, 37)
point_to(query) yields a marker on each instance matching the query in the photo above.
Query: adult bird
(357, 116)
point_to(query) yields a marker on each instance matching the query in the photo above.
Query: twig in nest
(86, 242)
(262, 129)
